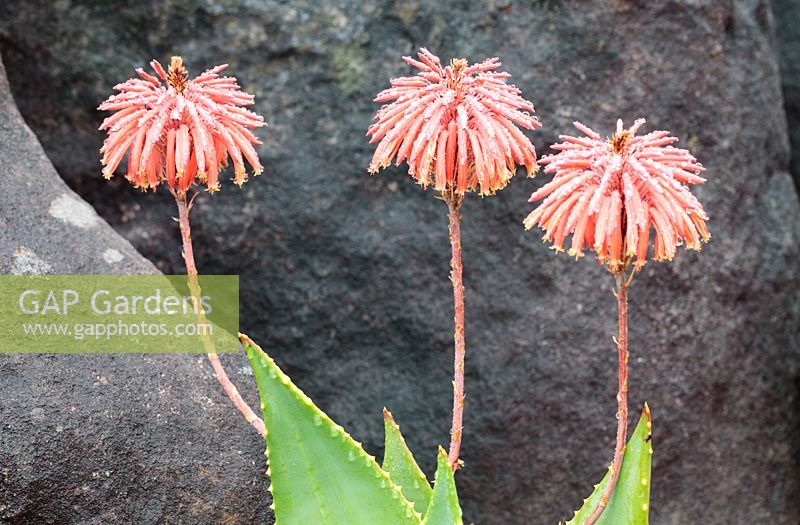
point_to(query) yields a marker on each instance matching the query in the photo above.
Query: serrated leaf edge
(444, 474)
(389, 421)
(370, 460)
(647, 418)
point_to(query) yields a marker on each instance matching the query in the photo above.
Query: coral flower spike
(178, 129)
(610, 195)
(182, 131)
(456, 128)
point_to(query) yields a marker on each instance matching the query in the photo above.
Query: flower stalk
(183, 132)
(456, 276)
(230, 389)
(456, 127)
(622, 282)
(613, 195)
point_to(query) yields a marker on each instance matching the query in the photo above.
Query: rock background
(345, 276)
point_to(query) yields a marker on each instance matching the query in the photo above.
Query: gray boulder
(345, 276)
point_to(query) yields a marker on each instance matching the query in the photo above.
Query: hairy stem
(194, 288)
(622, 396)
(458, 334)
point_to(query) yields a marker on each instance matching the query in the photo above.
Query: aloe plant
(322, 476)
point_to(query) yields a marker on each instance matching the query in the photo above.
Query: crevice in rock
(787, 25)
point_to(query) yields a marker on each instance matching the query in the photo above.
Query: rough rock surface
(787, 21)
(345, 277)
(106, 439)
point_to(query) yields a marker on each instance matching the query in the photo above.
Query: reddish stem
(622, 396)
(194, 287)
(460, 347)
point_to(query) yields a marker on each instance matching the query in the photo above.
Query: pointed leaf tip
(246, 341)
(319, 474)
(630, 502)
(399, 463)
(444, 508)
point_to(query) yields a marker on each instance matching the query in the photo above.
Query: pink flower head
(610, 193)
(179, 130)
(455, 126)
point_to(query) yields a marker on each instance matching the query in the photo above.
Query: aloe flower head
(455, 126)
(180, 130)
(611, 194)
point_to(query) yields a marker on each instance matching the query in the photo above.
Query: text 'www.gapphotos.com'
(79, 331)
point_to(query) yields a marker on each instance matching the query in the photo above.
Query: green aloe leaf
(320, 475)
(630, 501)
(443, 508)
(399, 463)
